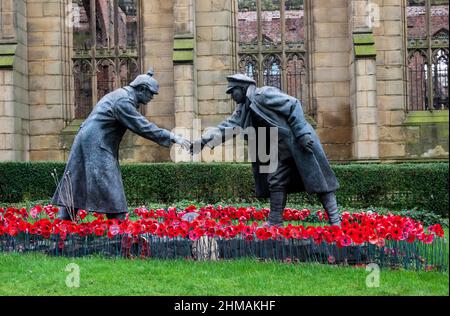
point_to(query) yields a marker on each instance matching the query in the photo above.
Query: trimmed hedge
(395, 186)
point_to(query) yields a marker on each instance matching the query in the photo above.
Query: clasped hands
(192, 147)
(183, 142)
(306, 143)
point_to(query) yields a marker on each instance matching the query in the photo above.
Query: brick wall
(295, 26)
(416, 20)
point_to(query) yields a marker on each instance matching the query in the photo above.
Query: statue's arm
(297, 121)
(129, 116)
(223, 131)
(289, 108)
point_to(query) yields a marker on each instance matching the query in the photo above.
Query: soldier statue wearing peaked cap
(302, 163)
(92, 180)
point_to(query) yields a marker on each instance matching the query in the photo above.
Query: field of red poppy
(39, 274)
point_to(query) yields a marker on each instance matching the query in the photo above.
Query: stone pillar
(158, 29)
(49, 65)
(216, 58)
(363, 84)
(330, 66)
(391, 77)
(184, 61)
(14, 109)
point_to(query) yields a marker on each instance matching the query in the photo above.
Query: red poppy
(194, 235)
(211, 232)
(82, 214)
(319, 215)
(247, 230)
(191, 208)
(411, 238)
(99, 231)
(396, 233)
(220, 232)
(161, 230)
(261, 233)
(345, 241)
(373, 239)
(114, 229)
(331, 259)
(318, 239)
(381, 242)
(34, 211)
(295, 233)
(437, 230)
(328, 237)
(288, 215)
(21, 225)
(428, 239)
(351, 233)
(259, 216)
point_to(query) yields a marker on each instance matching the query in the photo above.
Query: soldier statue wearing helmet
(92, 172)
(302, 164)
(147, 81)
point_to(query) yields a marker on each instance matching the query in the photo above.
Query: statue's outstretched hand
(183, 142)
(196, 146)
(306, 143)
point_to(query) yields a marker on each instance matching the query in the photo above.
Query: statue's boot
(119, 216)
(277, 205)
(330, 204)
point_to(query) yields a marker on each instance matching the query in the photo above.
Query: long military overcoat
(284, 112)
(93, 165)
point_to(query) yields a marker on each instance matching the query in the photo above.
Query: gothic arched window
(272, 40)
(106, 49)
(427, 45)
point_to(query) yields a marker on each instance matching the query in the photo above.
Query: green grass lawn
(37, 274)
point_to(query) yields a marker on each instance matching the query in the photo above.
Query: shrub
(394, 186)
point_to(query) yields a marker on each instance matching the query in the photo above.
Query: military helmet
(146, 80)
(239, 80)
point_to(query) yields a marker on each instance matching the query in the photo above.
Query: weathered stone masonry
(356, 69)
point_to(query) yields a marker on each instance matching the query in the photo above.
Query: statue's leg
(120, 216)
(278, 183)
(277, 205)
(330, 204)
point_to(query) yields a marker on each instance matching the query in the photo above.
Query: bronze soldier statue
(92, 179)
(302, 164)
